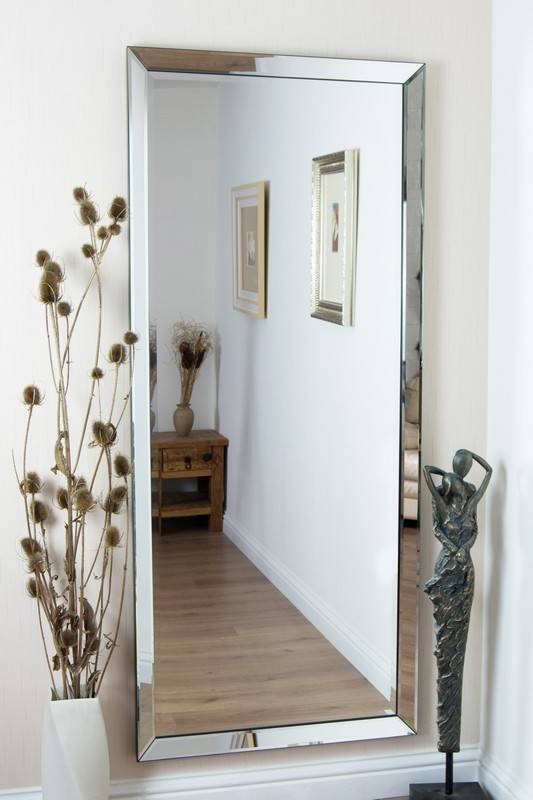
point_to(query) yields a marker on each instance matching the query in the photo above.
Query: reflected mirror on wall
(276, 544)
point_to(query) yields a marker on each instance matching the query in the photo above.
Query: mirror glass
(276, 542)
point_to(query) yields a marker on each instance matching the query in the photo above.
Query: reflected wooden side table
(176, 459)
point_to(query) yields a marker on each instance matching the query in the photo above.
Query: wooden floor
(231, 652)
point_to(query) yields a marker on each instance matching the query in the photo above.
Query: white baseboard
(364, 658)
(364, 779)
(499, 783)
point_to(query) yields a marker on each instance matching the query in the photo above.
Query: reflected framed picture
(334, 236)
(248, 204)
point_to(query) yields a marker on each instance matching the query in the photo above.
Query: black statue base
(437, 791)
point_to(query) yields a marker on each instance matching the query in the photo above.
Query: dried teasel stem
(63, 455)
(107, 510)
(50, 356)
(107, 560)
(77, 636)
(100, 248)
(43, 637)
(96, 257)
(125, 404)
(115, 388)
(24, 468)
(114, 639)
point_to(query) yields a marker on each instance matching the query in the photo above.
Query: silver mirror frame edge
(150, 747)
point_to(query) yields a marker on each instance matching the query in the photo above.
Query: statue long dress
(451, 589)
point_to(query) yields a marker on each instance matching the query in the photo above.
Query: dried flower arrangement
(76, 554)
(191, 342)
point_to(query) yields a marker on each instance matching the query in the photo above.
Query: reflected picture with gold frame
(248, 206)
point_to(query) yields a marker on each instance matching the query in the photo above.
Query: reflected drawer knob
(188, 462)
(207, 456)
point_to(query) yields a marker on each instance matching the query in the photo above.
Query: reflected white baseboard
(498, 781)
(364, 779)
(364, 658)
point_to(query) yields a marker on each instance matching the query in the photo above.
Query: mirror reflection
(279, 467)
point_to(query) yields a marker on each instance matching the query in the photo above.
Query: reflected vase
(74, 752)
(183, 419)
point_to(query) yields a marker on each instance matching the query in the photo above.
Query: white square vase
(74, 753)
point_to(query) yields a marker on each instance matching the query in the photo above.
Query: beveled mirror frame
(410, 78)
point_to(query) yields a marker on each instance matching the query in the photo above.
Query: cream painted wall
(507, 734)
(64, 121)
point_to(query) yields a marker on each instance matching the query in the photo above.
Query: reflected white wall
(313, 459)
(311, 409)
(182, 193)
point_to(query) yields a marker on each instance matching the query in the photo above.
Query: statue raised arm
(478, 494)
(428, 472)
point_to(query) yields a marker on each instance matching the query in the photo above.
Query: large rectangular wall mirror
(276, 545)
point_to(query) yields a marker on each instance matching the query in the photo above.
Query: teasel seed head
(97, 373)
(89, 618)
(48, 288)
(88, 250)
(122, 466)
(118, 209)
(64, 309)
(62, 497)
(104, 433)
(102, 233)
(110, 505)
(114, 229)
(36, 562)
(130, 338)
(84, 500)
(93, 644)
(117, 353)
(38, 511)
(41, 257)
(187, 356)
(118, 493)
(80, 194)
(68, 637)
(30, 546)
(200, 355)
(31, 483)
(31, 396)
(31, 587)
(88, 212)
(79, 482)
(54, 269)
(112, 536)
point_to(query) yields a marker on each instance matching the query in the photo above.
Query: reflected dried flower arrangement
(76, 542)
(153, 358)
(191, 342)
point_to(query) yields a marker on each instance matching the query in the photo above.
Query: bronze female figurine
(451, 589)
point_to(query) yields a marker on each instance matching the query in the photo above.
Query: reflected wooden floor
(408, 624)
(233, 653)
